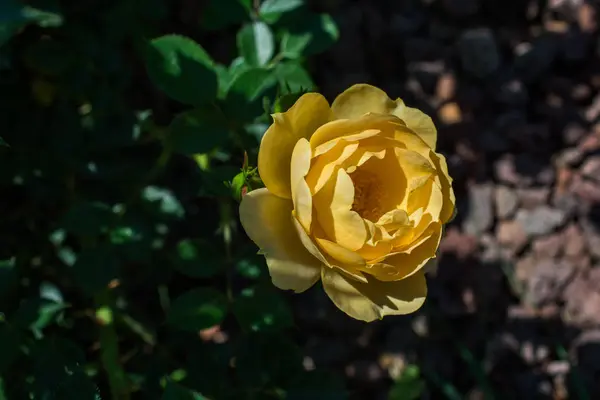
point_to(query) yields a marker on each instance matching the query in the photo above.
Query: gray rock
(478, 52)
(480, 216)
(541, 220)
(506, 201)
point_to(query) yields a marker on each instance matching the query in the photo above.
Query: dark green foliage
(125, 148)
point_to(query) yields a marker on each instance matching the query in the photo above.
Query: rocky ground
(513, 87)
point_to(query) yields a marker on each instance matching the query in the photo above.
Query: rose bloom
(355, 196)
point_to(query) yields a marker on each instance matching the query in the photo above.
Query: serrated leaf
(197, 131)
(293, 77)
(182, 69)
(197, 309)
(271, 10)
(256, 44)
(253, 83)
(244, 100)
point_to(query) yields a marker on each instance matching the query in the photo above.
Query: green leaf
(87, 218)
(237, 185)
(294, 44)
(308, 35)
(253, 83)
(37, 313)
(197, 309)
(292, 76)
(59, 374)
(174, 391)
(255, 43)
(198, 131)
(253, 267)
(408, 386)
(196, 258)
(14, 15)
(182, 69)
(271, 10)
(244, 100)
(96, 267)
(262, 308)
(163, 201)
(9, 346)
(220, 14)
(8, 276)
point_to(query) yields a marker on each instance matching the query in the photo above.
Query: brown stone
(531, 198)
(591, 168)
(548, 246)
(512, 235)
(574, 242)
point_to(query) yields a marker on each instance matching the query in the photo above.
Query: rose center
(368, 194)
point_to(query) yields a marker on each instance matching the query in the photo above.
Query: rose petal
(268, 221)
(339, 253)
(386, 124)
(363, 98)
(449, 200)
(325, 165)
(401, 265)
(374, 299)
(333, 209)
(308, 113)
(301, 195)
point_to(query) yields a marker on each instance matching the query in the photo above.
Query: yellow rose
(356, 196)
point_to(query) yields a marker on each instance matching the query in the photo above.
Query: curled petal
(410, 261)
(340, 254)
(363, 98)
(374, 299)
(301, 196)
(333, 209)
(384, 124)
(308, 113)
(268, 221)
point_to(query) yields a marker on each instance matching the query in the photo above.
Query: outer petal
(449, 199)
(300, 121)
(374, 299)
(301, 196)
(267, 219)
(363, 98)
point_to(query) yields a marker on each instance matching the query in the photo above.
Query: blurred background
(124, 273)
